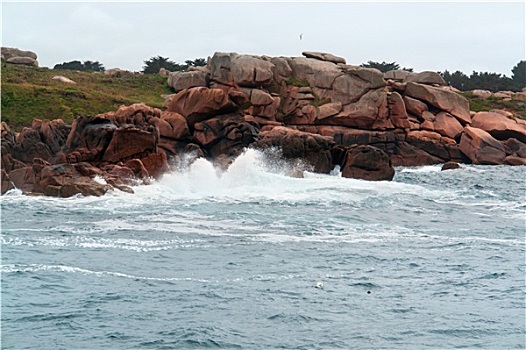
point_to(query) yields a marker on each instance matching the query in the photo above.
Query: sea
(254, 258)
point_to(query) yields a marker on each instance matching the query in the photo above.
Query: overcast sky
(465, 36)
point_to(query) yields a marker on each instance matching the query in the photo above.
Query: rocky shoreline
(316, 110)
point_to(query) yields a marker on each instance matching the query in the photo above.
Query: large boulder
(445, 100)
(89, 137)
(9, 52)
(127, 143)
(397, 111)
(201, 103)
(480, 147)
(367, 163)
(447, 125)
(251, 71)
(499, 126)
(26, 61)
(30, 146)
(294, 144)
(185, 80)
(225, 134)
(315, 73)
(6, 183)
(323, 56)
(53, 133)
(426, 77)
(369, 112)
(65, 180)
(173, 125)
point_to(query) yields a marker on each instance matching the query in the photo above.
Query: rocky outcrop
(17, 56)
(118, 148)
(316, 110)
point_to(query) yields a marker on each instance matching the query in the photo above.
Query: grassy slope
(29, 92)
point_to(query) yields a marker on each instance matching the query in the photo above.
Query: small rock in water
(450, 165)
(319, 285)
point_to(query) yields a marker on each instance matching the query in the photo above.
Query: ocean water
(201, 259)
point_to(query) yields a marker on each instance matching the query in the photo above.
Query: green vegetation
(29, 92)
(296, 82)
(384, 66)
(87, 66)
(476, 104)
(154, 64)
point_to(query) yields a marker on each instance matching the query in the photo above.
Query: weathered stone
(155, 164)
(447, 101)
(450, 166)
(63, 79)
(322, 56)
(370, 112)
(53, 133)
(92, 134)
(281, 70)
(328, 110)
(367, 163)
(414, 106)
(499, 126)
(482, 94)
(27, 61)
(514, 160)
(316, 73)
(397, 111)
(515, 146)
(251, 71)
(6, 183)
(294, 144)
(425, 77)
(225, 134)
(9, 52)
(64, 180)
(173, 125)
(397, 74)
(129, 143)
(409, 155)
(185, 80)
(447, 125)
(480, 147)
(29, 146)
(200, 103)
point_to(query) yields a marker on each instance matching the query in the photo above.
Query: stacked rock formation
(315, 109)
(17, 56)
(413, 117)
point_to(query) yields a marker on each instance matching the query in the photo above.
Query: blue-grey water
(431, 260)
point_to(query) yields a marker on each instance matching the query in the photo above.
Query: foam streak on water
(208, 259)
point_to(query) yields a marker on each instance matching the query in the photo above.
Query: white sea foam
(72, 269)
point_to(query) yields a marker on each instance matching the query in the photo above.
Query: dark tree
(519, 73)
(87, 66)
(198, 62)
(154, 64)
(384, 66)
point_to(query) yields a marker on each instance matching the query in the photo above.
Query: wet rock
(450, 166)
(367, 163)
(294, 144)
(481, 148)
